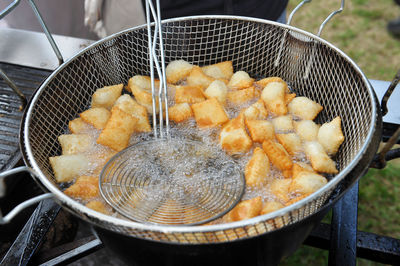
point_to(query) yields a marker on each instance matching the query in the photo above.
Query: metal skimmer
(169, 180)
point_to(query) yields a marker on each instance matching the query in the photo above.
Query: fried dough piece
(67, 167)
(257, 168)
(306, 183)
(260, 130)
(217, 89)
(256, 111)
(74, 143)
(271, 206)
(198, 78)
(296, 199)
(118, 130)
(180, 112)
(273, 96)
(127, 104)
(280, 188)
(97, 206)
(306, 129)
(241, 96)
(240, 80)
(189, 94)
(96, 116)
(283, 123)
(209, 113)
(289, 97)
(78, 126)
(223, 70)
(233, 136)
(106, 96)
(291, 142)
(301, 167)
(244, 210)
(330, 136)
(99, 159)
(177, 70)
(265, 81)
(140, 86)
(320, 161)
(85, 187)
(304, 108)
(278, 156)
(139, 81)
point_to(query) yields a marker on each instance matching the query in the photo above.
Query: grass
(360, 32)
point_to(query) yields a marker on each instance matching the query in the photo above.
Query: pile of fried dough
(287, 153)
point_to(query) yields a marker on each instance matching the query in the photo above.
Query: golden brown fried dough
(96, 116)
(217, 89)
(265, 81)
(106, 96)
(283, 123)
(273, 96)
(140, 86)
(256, 111)
(97, 206)
(233, 136)
(296, 199)
(209, 113)
(306, 183)
(330, 136)
(223, 70)
(320, 161)
(244, 210)
(240, 80)
(198, 78)
(68, 167)
(118, 130)
(85, 187)
(278, 156)
(306, 129)
(78, 126)
(260, 130)
(257, 168)
(180, 112)
(271, 206)
(74, 143)
(304, 108)
(280, 188)
(291, 142)
(241, 96)
(130, 106)
(189, 94)
(177, 70)
(289, 97)
(301, 167)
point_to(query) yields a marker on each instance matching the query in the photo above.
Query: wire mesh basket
(312, 67)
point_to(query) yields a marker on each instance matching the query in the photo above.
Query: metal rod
(389, 92)
(14, 87)
(9, 8)
(47, 32)
(151, 68)
(161, 95)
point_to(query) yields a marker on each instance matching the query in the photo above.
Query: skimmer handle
(160, 96)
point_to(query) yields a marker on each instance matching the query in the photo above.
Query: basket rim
(171, 229)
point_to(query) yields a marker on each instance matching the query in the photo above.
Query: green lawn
(360, 31)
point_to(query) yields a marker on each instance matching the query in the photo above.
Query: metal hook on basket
(278, 58)
(153, 57)
(307, 70)
(310, 60)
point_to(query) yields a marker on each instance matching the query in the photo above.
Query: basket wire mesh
(334, 81)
